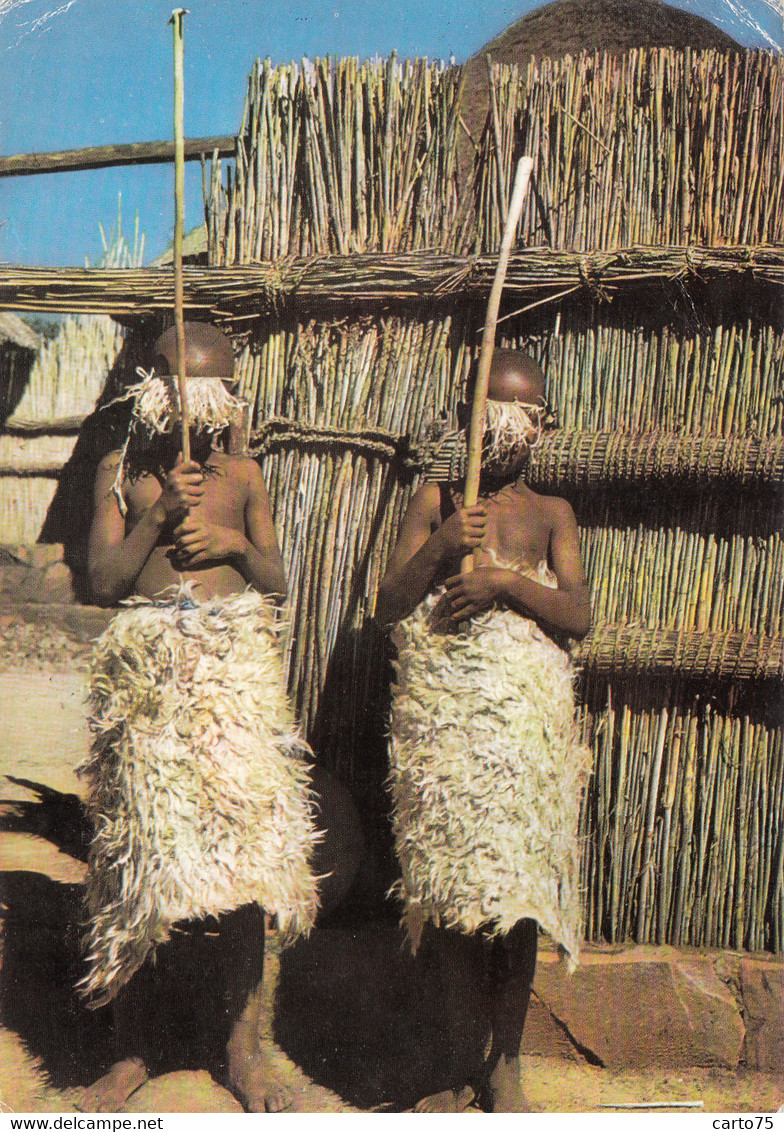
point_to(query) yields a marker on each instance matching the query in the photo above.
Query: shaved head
(208, 352)
(515, 376)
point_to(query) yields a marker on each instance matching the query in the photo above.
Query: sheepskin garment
(199, 786)
(487, 776)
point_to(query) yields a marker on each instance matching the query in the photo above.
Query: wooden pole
(179, 208)
(477, 427)
(108, 156)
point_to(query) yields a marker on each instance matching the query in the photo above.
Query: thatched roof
(194, 247)
(16, 331)
(567, 27)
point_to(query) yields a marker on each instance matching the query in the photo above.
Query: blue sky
(88, 72)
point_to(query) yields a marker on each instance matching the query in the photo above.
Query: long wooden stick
(179, 208)
(477, 427)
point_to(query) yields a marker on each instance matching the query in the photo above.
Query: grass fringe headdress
(156, 410)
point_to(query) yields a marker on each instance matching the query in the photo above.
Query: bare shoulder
(241, 469)
(553, 508)
(426, 500)
(110, 462)
(241, 465)
(560, 509)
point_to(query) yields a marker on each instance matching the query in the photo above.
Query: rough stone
(762, 994)
(542, 1036)
(81, 622)
(54, 584)
(184, 1091)
(42, 554)
(13, 575)
(644, 1006)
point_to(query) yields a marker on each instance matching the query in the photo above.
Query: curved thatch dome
(567, 27)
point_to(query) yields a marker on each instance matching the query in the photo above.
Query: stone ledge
(36, 573)
(632, 1006)
(82, 623)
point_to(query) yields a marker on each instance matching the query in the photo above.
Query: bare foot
(505, 1087)
(448, 1101)
(110, 1092)
(252, 1079)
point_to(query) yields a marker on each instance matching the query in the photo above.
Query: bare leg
(129, 1071)
(250, 1073)
(513, 962)
(461, 967)
(110, 1092)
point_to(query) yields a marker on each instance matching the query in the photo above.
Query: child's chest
(518, 526)
(222, 501)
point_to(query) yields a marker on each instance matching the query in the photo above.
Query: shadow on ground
(353, 1008)
(41, 964)
(365, 1019)
(59, 818)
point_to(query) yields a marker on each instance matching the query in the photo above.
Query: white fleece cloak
(199, 786)
(487, 775)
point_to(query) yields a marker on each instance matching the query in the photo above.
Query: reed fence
(655, 147)
(66, 378)
(659, 190)
(350, 254)
(682, 823)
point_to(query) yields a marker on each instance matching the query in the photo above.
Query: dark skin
(207, 520)
(510, 523)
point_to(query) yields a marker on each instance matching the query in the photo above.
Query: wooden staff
(179, 208)
(477, 427)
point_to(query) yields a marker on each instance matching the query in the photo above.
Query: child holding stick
(487, 772)
(201, 788)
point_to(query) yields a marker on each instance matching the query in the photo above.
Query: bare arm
(422, 549)
(254, 552)
(567, 609)
(261, 563)
(114, 559)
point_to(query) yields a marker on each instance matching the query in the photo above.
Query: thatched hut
(18, 346)
(60, 388)
(568, 27)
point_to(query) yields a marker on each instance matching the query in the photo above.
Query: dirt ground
(356, 1020)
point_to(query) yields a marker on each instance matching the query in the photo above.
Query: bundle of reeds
(378, 278)
(593, 458)
(338, 509)
(683, 653)
(682, 820)
(652, 147)
(66, 378)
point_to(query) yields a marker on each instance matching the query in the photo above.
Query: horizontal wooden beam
(325, 282)
(105, 156)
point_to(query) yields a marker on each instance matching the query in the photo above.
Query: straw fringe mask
(156, 409)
